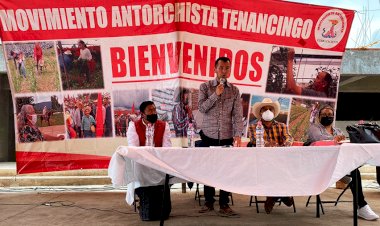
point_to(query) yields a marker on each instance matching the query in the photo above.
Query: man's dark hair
(224, 59)
(145, 104)
(326, 106)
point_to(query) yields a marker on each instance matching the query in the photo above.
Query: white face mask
(268, 115)
(33, 120)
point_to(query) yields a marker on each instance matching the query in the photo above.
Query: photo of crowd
(295, 72)
(40, 118)
(303, 113)
(88, 115)
(126, 108)
(80, 64)
(33, 67)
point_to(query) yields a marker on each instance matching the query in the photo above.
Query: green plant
(57, 82)
(33, 82)
(17, 83)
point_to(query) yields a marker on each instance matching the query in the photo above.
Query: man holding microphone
(219, 101)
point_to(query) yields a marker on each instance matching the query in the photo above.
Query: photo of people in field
(33, 67)
(304, 112)
(88, 115)
(301, 72)
(80, 64)
(40, 118)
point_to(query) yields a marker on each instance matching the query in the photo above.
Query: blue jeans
(88, 133)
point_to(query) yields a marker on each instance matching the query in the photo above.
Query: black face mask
(327, 120)
(152, 118)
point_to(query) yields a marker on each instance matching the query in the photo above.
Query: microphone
(223, 81)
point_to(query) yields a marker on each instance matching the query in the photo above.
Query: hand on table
(339, 138)
(237, 142)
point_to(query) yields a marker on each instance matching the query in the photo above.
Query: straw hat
(266, 102)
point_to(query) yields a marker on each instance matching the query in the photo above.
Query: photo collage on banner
(88, 115)
(77, 84)
(34, 78)
(39, 71)
(80, 64)
(40, 118)
(32, 67)
(309, 78)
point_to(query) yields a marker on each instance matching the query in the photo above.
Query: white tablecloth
(285, 171)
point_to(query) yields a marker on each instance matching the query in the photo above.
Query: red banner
(79, 69)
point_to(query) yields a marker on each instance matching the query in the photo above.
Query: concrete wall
(361, 62)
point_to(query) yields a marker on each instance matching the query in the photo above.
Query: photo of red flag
(99, 116)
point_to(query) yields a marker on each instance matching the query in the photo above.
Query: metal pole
(355, 201)
(166, 186)
(318, 204)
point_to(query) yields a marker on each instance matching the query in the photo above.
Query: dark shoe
(208, 207)
(269, 204)
(226, 211)
(288, 201)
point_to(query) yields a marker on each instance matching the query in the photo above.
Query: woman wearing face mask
(28, 130)
(324, 130)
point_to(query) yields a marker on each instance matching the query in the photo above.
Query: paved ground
(102, 205)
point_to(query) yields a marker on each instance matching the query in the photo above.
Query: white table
(283, 171)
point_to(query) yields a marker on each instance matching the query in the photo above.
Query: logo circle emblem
(330, 28)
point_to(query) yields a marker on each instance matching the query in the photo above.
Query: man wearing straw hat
(275, 134)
